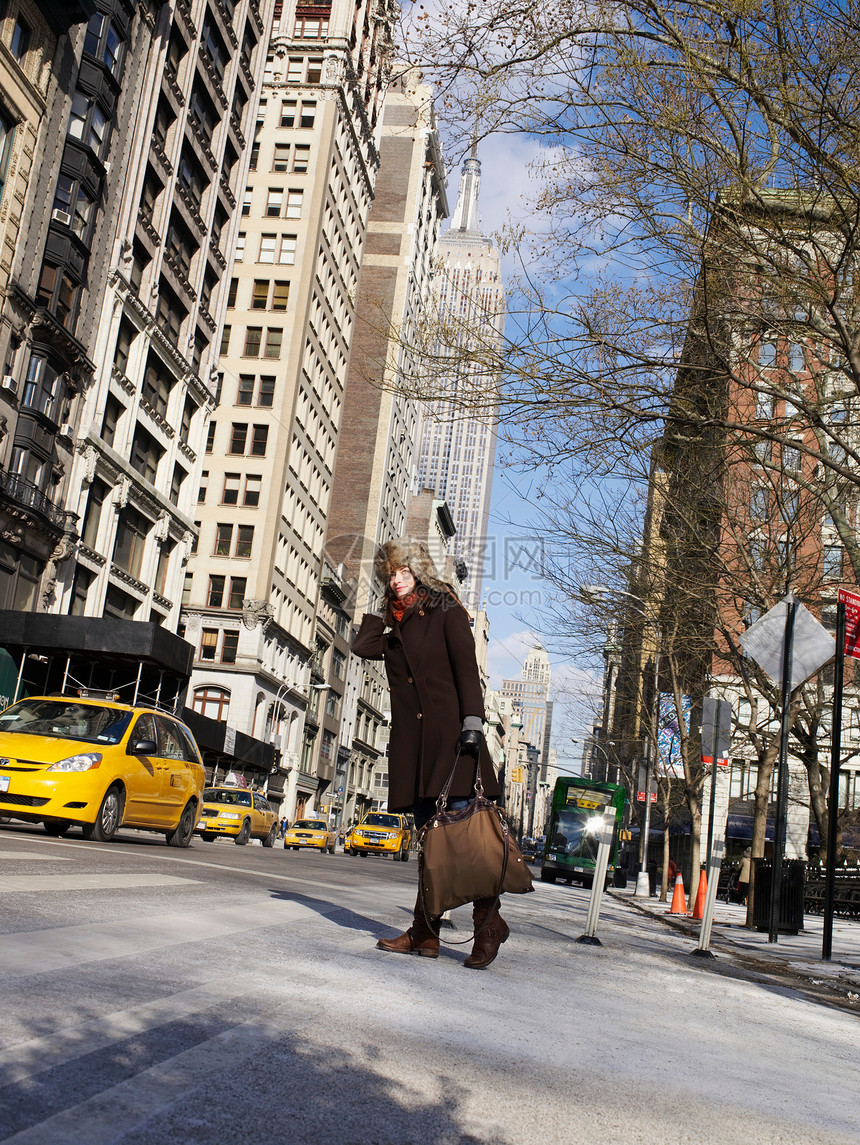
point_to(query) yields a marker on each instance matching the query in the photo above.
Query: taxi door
(177, 781)
(144, 776)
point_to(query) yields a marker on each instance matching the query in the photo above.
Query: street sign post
(716, 736)
(847, 644)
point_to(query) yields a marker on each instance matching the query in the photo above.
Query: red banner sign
(851, 600)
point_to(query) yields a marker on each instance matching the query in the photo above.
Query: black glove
(469, 743)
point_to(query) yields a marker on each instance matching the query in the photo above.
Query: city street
(230, 995)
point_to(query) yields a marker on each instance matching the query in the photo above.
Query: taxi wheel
(183, 832)
(108, 818)
(269, 840)
(56, 827)
(245, 834)
(404, 855)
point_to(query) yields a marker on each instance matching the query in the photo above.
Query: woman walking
(424, 636)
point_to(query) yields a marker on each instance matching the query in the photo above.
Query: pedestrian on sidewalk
(423, 634)
(744, 875)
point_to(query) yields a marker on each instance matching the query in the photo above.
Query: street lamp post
(595, 592)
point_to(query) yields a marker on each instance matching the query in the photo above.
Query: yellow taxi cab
(310, 833)
(381, 833)
(98, 764)
(235, 812)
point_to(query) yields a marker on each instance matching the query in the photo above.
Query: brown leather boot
(491, 931)
(422, 937)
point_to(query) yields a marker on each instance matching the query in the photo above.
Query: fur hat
(411, 554)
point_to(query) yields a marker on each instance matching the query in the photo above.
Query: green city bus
(573, 830)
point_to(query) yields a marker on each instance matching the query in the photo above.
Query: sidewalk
(798, 954)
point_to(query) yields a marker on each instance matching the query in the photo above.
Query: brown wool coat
(434, 682)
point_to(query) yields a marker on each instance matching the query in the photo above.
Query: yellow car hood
(44, 749)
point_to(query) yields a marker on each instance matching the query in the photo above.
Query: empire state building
(458, 450)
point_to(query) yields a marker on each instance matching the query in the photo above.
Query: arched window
(212, 702)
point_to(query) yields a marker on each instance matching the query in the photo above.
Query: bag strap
(442, 801)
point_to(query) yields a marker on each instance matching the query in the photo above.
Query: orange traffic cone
(679, 899)
(699, 904)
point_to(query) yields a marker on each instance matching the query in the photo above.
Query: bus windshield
(575, 826)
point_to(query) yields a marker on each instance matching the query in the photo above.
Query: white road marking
(33, 857)
(88, 882)
(63, 947)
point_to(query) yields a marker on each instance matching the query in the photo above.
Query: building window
(158, 383)
(288, 113)
(831, 563)
(267, 248)
(176, 482)
(89, 123)
(253, 485)
(215, 597)
(114, 409)
(281, 158)
(203, 487)
(311, 28)
(260, 294)
(22, 37)
(301, 158)
(294, 204)
(273, 343)
(164, 553)
(246, 201)
(7, 136)
(253, 338)
(92, 514)
(238, 588)
(309, 111)
(119, 604)
(274, 202)
(230, 495)
(58, 293)
(104, 43)
(244, 540)
(73, 206)
(224, 348)
(266, 394)
(259, 440)
(131, 533)
(208, 643)
(245, 392)
(210, 437)
(238, 437)
(187, 586)
(229, 647)
(213, 703)
(146, 453)
(287, 253)
(314, 69)
(280, 295)
(41, 387)
(223, 540)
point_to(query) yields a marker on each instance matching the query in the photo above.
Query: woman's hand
(470, 742)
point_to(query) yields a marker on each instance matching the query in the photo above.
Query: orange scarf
(400, 606)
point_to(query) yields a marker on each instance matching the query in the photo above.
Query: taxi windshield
(229, 798)
(378, 820)
(67, 719)
(310, 825)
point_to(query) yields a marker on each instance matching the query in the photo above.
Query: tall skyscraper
(530, 698)
(109, 322)
(252, 595)
(458, 452)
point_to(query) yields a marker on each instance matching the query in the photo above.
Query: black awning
(130, 641)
